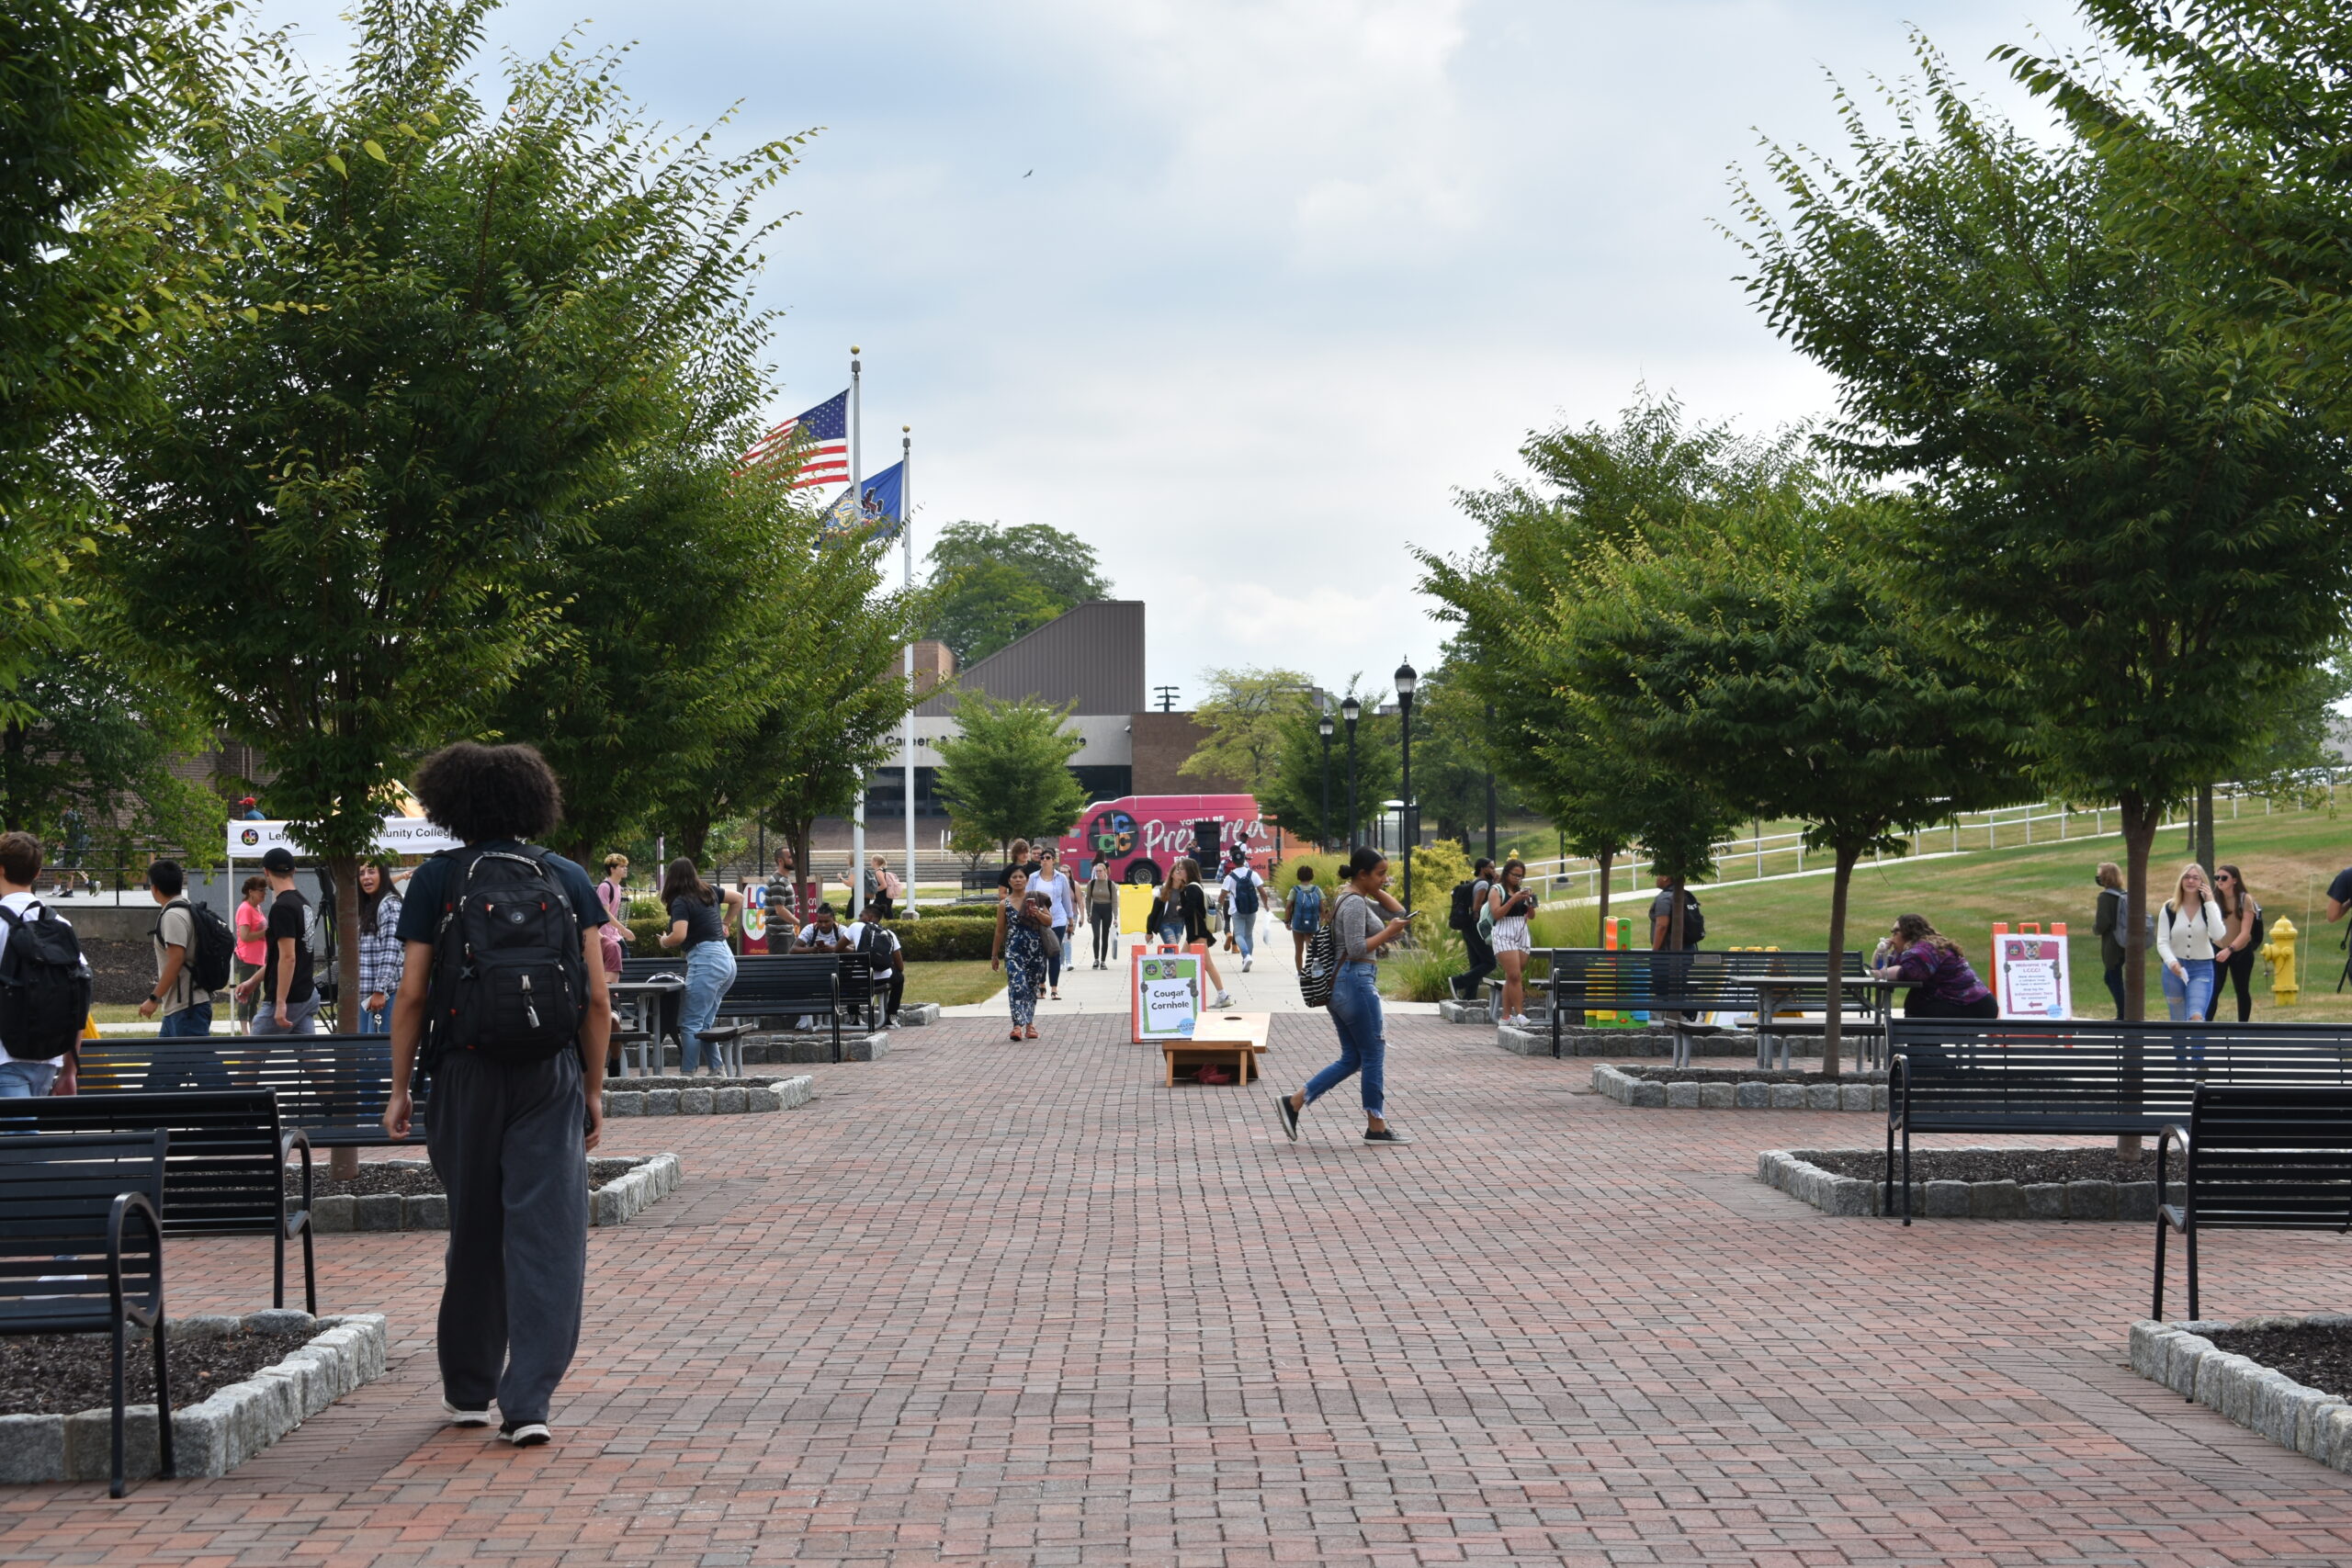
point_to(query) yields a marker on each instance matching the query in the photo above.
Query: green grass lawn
(2288, 859)
(952, 982)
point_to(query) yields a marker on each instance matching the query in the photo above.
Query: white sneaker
(1224, 1000)
(525, 1434)
(1244, 961)
(465, 1418)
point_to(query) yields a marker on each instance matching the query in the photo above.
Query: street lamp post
(1407, 823)
(1323, 729)
(1351, 710)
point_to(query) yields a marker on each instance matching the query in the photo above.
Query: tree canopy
(1243, 715)
(990, 584)
(1006, 774)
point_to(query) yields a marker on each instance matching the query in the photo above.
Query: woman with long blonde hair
(2188, 930)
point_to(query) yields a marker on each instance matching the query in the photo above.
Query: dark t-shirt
(1662, 909)
(429, 890)
(290, 915)
(2341, 888)
(704, 922)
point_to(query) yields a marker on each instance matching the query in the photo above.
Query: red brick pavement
(993, 1304)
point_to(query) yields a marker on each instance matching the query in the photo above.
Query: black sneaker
(1385, 1136)
(1287, 1113)
(524, 1434)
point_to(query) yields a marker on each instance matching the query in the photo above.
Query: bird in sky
(1031, 172)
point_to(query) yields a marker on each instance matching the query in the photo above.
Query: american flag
(824, 460)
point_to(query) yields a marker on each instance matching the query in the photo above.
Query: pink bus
(1143, 835)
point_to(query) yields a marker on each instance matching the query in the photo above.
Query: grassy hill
(2288, 859)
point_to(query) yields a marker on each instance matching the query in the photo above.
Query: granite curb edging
(1627, 1088)
(618, 1200)
(2262, 1399)
(729, 1097)
(1536, 1041)
(1849, 1196)
(227, 1427)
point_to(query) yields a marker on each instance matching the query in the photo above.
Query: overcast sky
(1240, 291)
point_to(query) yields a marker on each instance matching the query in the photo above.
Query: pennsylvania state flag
(870, 509)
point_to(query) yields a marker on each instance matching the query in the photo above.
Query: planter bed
(2038, 1186)
(1739, 1088)
(246, 1382)
(404, 1194)
(794, 1049)
(1535, 1039)
(681, 1096)
(2249, 1371)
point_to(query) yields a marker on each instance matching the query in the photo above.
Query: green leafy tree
(2228, 164)
(103, 257)
(990, 584)
(328, 531)
(1243, 715)
(1590, 487)
(1454, 765)
(1294, 793)
(2117, 511)
(1007, 775)
(83, 746)
(1751, 654)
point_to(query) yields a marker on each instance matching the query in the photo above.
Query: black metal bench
(82, 1249)
(2087, 1077)
(1682, 984)
(226, 1174)
(2267, 1158)
(834, 986)
(333, 1086)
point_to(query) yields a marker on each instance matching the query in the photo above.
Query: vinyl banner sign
(396, 836)
(2030, 975)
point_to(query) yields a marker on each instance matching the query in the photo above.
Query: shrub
(1424, 971)
(642, 930)
(1437, 868)
(936, 938)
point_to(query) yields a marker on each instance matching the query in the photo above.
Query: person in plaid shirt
(382, 957)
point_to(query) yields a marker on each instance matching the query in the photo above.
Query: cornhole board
(1164, 992)
(1230, 1040)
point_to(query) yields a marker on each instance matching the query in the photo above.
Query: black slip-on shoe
(1287, 1115)
(525, 1434)
(1385, 1136)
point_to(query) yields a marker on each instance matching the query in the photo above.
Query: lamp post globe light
(1323, 728)
(1351, 710)
(1409, 827)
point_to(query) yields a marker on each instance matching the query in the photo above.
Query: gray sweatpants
(505, 1141)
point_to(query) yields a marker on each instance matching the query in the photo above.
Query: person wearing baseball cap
(289, 996)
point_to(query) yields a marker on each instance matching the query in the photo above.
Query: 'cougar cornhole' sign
(1165, 989)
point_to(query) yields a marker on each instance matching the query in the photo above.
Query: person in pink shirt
(251, 950)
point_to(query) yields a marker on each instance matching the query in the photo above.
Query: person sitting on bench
(1942, 983)
(869, 935)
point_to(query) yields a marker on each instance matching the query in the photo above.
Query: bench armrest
(2174, 1132)
(294, 1138)
(1898, 1085)
(125, 1205)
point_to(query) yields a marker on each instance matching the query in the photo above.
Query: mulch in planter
(415, 1180)
(58, 1374)
(2316, 1357)
(2020, 1166)
(1740, 1075)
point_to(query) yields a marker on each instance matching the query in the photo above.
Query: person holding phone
(1510, 902)
(1365, 920)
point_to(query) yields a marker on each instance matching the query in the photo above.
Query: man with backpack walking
(193, 947)
(503, 999)
(44, 980)
(1469, 898)
(1694, 923)
(290, 998)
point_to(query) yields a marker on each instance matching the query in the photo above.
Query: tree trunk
(1833, 1030)
(343, 1163)
(1607, 859)
(2201, 831)
(2141, 819)
(693, 834)
(12, 757)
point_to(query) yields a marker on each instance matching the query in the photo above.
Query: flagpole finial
(854, 349)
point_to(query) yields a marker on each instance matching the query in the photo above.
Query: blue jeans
(1174, 935)
(710, 969)
(1245, 931)
(376, 1020)
(2186, 993)
(188, 1020)
(25, 1080)
(1355, 1010)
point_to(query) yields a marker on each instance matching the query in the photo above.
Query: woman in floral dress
(1019, 951)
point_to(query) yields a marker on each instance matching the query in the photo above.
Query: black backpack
(44, 986)
(209, 955)
(1463, 916)
(509, 983)
(1694, 919)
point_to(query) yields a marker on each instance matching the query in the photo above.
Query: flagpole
(907, 548)
(856, 477)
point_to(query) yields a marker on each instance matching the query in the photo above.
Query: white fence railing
(1758, 855)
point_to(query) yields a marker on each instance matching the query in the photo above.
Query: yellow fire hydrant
(2279, 953)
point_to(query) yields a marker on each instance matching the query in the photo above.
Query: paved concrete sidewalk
(986, 1304)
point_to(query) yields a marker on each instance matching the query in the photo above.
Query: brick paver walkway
(990, 1304)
